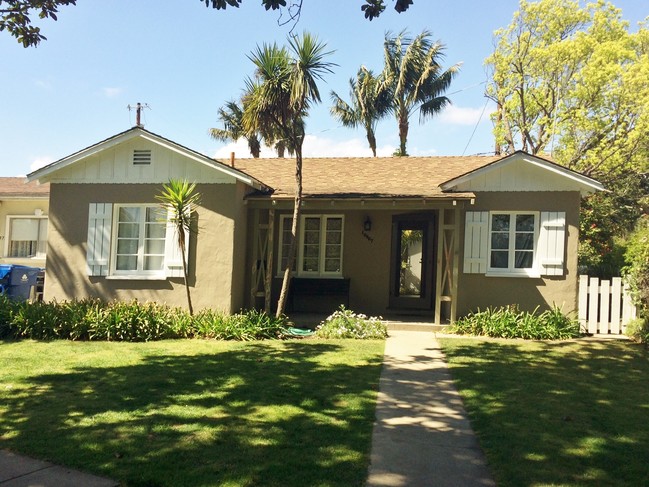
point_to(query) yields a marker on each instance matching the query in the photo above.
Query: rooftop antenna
(138, 113)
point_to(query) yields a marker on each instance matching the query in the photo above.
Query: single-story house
(24, 209)
(434, 236)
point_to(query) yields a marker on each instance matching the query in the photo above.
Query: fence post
(582, 305)
(616, 305)
(593, 304)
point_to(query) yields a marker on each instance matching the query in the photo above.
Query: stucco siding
(480, 291)
(211, 254)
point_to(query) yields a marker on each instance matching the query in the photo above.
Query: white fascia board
(563, 171)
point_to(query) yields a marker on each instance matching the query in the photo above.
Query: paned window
(139, 243)
(512, 241)
(320, 249)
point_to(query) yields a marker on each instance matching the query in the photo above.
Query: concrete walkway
(19, 471)
(422, 436)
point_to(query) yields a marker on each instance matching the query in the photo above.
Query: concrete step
(415, 326)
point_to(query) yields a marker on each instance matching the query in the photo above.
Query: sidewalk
(422, 436)
(18, 471)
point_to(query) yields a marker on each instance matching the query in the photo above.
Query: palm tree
(231, 114)
(416, 79)
(180, 199)
(369, 103)
(283, 89)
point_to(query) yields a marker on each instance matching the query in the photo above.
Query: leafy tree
(15, 17)
(369, 103)
(231, 115)
(181, 200)
(637, 271)
(371, 8)
(415, 78)
(280, 94)
(572, 80)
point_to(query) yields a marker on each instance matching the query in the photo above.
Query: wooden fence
(605, 307)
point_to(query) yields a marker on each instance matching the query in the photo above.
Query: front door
(411, 272)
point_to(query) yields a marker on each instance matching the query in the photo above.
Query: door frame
(426, 222)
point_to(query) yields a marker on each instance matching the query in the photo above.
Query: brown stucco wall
(214, 281)
(479, 291)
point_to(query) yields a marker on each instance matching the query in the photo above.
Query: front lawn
(557, 413)
(194, 412)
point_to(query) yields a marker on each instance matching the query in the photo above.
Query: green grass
(570, 413)
(194, 412)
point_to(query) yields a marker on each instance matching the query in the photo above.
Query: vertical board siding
(605, 307)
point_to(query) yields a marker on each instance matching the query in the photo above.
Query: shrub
(510, 322)
(344, 323)
(636, 272)
(93, 319)
(638, 330)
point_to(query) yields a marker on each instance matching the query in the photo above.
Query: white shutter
(100, 216)
(173, 255)
(552, 237)
(476, 234)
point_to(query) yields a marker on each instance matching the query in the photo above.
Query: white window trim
(114, 273)
(7, 238)
(298, 272)
(533, 271)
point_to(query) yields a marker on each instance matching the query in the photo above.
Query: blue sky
(185, 61)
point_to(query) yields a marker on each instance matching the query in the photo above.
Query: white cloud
(456, 115)
(40, 162)
(112, 92)
(313, 147)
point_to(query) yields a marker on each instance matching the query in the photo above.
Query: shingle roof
(348, 177)
(20, 188)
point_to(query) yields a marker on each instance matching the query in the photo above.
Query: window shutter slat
(173, 255)
(552, 236)
(476, 233)
(100, 217)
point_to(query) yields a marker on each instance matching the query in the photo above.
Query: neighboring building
(24, 209)
(436, 236)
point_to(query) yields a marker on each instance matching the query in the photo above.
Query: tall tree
(231, 115)
(416, 79)
(369, 103)
(15, 17)
(280, 94)
(572, 81)
(181, 200)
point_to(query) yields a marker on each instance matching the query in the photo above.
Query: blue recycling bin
(16, 281)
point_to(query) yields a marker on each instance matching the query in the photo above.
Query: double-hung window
(139, 240)
(320, 245)
(27, 237)
(512, 239)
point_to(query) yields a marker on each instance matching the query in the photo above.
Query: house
(434, 236)
(24, 209)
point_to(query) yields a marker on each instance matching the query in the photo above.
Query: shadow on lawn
(557, 413)
(262, 414)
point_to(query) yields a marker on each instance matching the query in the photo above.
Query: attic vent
(141, 156)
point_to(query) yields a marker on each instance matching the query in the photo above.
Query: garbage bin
(19, 280)
(5, 270)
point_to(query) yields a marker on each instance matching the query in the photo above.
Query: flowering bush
(344, 323)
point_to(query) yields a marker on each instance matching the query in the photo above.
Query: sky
(185, 61)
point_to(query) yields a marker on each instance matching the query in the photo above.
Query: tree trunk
(371, 139)
(403, 135)
(283, 295)
(181, 242)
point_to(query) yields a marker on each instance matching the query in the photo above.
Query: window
(139, 240)
(512, 242)
(27, 237)
(320, 247)
(517, 244)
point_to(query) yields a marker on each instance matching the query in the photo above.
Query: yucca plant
(180, 199)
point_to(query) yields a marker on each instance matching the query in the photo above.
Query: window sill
(513, 274)
(136, 278)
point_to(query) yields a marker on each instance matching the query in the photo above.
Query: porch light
(367, 224)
